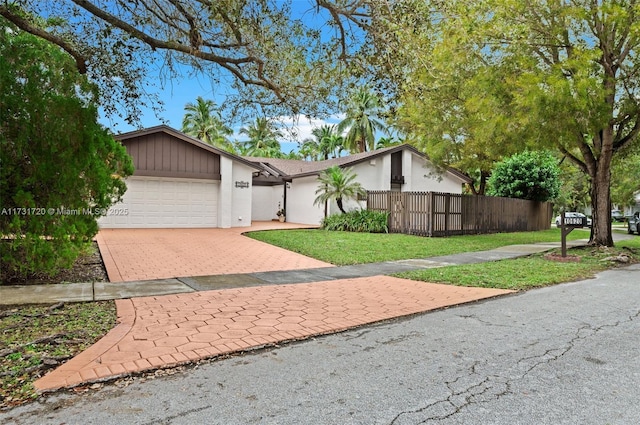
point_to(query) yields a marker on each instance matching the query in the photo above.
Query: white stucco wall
(301, 193)
(374, 174)
(234, 203)
(425, 178)
(264, 204)
(419, 176)
(241, 197)
(225, 194)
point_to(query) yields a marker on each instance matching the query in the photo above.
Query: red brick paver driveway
(172, 329)
(145, 254)
(168, 330)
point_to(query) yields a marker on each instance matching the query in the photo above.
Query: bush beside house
(60, 169)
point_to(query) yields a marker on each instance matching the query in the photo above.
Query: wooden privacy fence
(446, 214)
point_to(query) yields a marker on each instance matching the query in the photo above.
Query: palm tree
(328, 139)
(203, 121)
(326, 142)
(335, 144)
(309, 150)
(263, 139)
(338, 184)
(387, 142)
(362, 118)
(292, 155)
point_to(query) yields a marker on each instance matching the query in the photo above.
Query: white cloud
(299, 129)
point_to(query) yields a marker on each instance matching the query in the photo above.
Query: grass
(34, 339)
(346, 248)
(530, 272)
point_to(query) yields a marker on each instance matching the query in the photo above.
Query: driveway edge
(78, 369)
(109, 263)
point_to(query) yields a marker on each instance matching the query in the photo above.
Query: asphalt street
(567, 354)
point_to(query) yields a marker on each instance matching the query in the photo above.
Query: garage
(153, 202)
(181, 182)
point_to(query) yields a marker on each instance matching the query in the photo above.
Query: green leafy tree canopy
(273, 54)
(499, 76)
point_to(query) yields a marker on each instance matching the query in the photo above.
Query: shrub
(59, 168)
(366, 221)
(528, 175)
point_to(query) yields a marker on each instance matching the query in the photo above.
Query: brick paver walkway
(172, 329)
(147, 254)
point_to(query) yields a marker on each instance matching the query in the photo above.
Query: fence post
(447, 209)
(404, 211)
(433, 214)
(462, 215)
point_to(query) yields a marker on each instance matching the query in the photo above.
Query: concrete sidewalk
(99, 291)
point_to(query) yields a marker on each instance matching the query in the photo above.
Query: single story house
(180, 181)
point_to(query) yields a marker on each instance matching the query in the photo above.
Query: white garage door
(162, 202)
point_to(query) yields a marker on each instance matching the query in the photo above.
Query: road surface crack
(492, 386)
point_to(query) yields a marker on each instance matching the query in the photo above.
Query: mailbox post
(567, 224)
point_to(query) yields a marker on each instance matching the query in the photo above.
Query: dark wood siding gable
(162, 155)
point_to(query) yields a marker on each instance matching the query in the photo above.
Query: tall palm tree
(337, 183)
(335, 144)
(362, 119)
(309, 150)
(328, 139)
(263, 139)
(203, 121)
(326, 142)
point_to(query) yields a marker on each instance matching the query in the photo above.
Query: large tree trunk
(601, 209)
(600, 173)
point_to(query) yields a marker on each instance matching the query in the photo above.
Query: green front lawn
(532, 271)
(345, 248)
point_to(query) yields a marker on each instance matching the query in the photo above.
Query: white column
(225, 198)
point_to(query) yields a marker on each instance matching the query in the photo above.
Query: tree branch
(228, 63)
(336, 18)
(27, 26)
(580, 164)
(635, 131)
